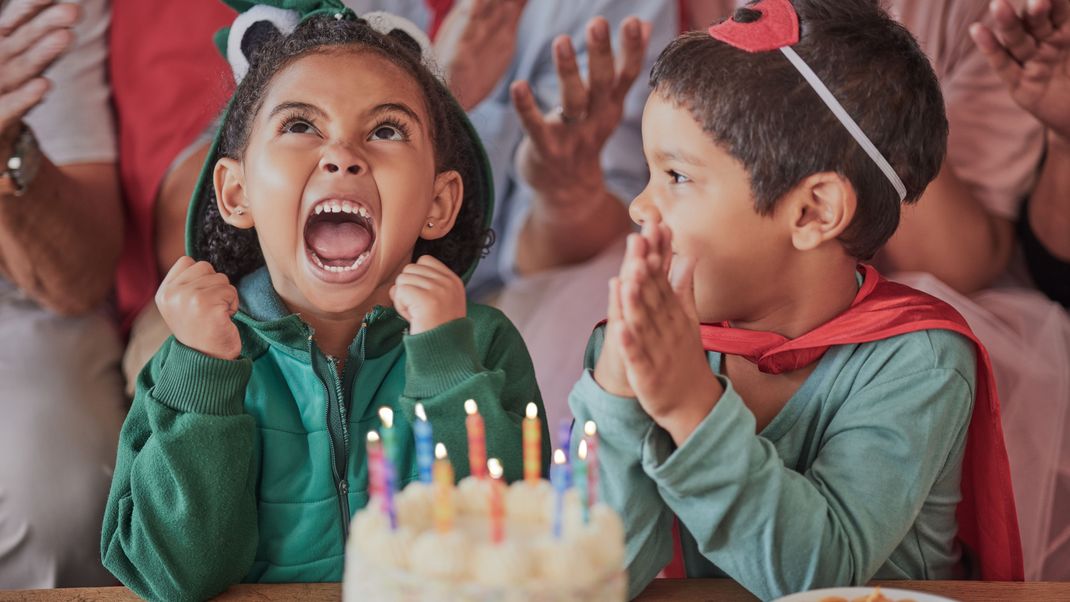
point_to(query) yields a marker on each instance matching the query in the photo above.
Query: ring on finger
(569, 119)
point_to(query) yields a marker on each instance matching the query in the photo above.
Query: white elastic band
(841, 114)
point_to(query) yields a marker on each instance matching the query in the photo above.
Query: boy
(830, 434)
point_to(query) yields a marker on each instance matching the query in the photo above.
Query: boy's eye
(677, 177)
(388, 132)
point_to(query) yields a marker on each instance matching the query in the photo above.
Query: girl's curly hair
(236, 252)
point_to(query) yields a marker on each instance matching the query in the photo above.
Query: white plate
(850, 593)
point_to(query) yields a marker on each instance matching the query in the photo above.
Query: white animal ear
(404, 30)
(252, 29)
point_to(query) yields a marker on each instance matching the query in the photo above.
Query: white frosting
(414, 506)
(502, 565)
(442, 556)
(530, 503)
(563, 564)
(473, 495)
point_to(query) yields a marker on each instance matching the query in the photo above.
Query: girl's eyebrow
(294, 105)
(397, 106)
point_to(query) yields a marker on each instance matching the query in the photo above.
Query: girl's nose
(342, 159)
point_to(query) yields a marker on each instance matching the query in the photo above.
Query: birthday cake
(482, 540)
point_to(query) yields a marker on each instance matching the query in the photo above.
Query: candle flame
(470, 407)
(589, 428)
(559, 456)
(494, 467)
(386, 416)
(373, 437)
(420, 413)
(582, 451)
(440, 451)
(532, 411)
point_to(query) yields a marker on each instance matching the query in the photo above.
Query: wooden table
(668, 590)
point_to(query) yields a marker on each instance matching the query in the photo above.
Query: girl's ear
(445, 206)
(229, 181)
(820, 208)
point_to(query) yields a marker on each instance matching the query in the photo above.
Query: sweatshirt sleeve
(181, 518)
(623, 484)
(776, 530)
(480, 357)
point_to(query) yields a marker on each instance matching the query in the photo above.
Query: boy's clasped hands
(653, 350)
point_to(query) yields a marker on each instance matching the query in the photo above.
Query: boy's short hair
(760, 109)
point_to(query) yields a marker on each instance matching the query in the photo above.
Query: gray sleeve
(74, 123)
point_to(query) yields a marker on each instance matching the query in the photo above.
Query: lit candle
(559, 478)
(386, 416)
(425, 445)
(532, 435)
(590, 430)
(477, 440)
(581, 478)
(564, 436)
(442, 491)
(375, 465)
(497, 507)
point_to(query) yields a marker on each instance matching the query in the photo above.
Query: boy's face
(339, 178)
(703, 194)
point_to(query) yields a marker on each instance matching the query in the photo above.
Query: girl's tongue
(339, 240)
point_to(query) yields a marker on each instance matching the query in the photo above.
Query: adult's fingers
(1060, 12)
(33, 61)
(632, 53)
(59, 16)
(574, 96)
(531, 118)
(18, 102)
(17, 12)
(600, 64)
(1038, 19)
(997, 56)
(1010, 30)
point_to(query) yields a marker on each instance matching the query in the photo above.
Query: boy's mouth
(339, 235)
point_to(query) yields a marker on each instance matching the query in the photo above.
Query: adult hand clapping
(476, 45)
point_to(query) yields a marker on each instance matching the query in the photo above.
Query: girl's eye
(388, 132)
(677, 177)
(297, 126)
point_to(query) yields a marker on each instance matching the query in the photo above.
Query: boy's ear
(229, 180)
(820, 209)
(445, 206)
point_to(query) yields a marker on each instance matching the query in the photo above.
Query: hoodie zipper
(338, 433)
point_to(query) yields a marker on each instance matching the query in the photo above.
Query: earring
(430, 225)
(239, 211)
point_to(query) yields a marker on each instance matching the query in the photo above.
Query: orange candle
(532, 436)
(477, 440)
(497, 507)
(442, 484)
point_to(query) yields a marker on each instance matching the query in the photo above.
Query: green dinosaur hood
(282, 14)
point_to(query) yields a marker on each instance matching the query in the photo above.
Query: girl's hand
(197, 303)
(428, 294)
(1031, 53)
(659, 340)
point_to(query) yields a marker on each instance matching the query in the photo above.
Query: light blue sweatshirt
(856, 478)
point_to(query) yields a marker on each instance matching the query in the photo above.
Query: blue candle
(425, 446)
(559, 478)
(564, 436)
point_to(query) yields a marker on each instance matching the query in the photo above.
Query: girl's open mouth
(339, 235)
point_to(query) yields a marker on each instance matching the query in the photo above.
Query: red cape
(988, 522)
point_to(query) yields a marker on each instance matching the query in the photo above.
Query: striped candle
(532, 436)
(442, 491)
(375, 466)
(477, 440)
(495, 504)
(559, 479)
(590, 432)
(564, 436)
(580, 468)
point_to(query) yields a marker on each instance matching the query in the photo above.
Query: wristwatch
(21, 166)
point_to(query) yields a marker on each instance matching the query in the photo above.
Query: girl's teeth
(338, 268)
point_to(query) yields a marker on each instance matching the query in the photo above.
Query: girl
(340, 161)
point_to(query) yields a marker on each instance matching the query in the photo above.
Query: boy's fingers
(614, 313)
(683, 284)
(1038, 18)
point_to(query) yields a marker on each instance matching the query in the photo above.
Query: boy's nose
(642, 210)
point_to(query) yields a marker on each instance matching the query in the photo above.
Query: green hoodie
(251, 469)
